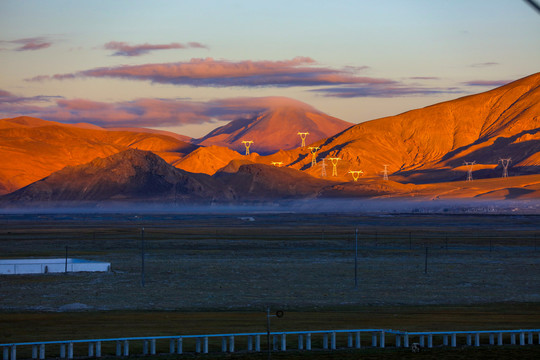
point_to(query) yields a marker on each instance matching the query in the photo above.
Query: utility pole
(385, 173)
(334, 161)
(247, 144)
(469, 165)
(303, 137)
(505, 163)
(313, 150)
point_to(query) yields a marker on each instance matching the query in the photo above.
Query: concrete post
(257, 342)
(274, 342)
(445, 340)
(98, 349)
(430, 341)
(406, 340)
(499, 339)
(224, 344)
(283, 342)
(374, 339)
(179, 346)
(231, 343)
(454, 340)
(530, 342)
(469, 342)
(398, 341)
(198, 345)
(521, 338)
(205, 345)
(171, 346)
(513, 339)
(42, 352)
(126, 348)
(308, 341)
(421, 341)
(250, 343)
(14, 352)
(349, 340)
(153, 346)
(333, 341)
(491, 339)
(145, 347)
(477, 339)
(325, 341)
(70, 350)
(118, 348)
(34, 351)
(6, 353)
(300, 342)
(90, 349)
(358, 339)
(62, 351)
(382, 339)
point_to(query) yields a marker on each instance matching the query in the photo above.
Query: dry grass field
(217, 273)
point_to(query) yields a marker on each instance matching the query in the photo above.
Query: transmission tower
(247, 144)
(313, 150)
(505, 163)
(470, 165)
(356, 174)
(334, 161)
(277, 163)
(303, 137)
(385, 172)
(323, 168)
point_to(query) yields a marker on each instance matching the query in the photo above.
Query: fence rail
(305, 340)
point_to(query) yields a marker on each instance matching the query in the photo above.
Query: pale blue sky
(425, 51)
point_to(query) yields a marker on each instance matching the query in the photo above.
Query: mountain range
(424, 151)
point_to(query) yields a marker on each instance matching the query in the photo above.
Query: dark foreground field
(217, 273)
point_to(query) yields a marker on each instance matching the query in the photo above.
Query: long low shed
(44, 266)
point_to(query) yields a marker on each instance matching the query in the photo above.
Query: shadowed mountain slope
(276, 128)
(31, 148)
(128, 175)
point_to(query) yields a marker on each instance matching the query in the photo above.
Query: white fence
(302, 340)
(43, 266)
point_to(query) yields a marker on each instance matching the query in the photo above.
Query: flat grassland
(217, 273)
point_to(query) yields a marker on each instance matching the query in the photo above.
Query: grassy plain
(217, 273)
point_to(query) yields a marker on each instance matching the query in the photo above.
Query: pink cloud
(36, 43)
(487, 83)
(300, 71)
(124, 49)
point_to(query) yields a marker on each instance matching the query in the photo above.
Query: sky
(190, 66)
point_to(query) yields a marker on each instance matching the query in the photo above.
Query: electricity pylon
(313, 150)
(247, 144)
(470, 165)
(505, 163)
(334, 161)
(277, 163)
(303, 137)
(323, 168)
(385, 172)
(355, 174)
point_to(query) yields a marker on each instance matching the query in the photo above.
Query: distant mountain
(131, 175)
(431, 144)
(276, 127)
(151, 131)
(32, 149)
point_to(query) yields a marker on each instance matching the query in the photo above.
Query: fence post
(250, 343)
(126, 348)
(6, 353)
(382, 339)
(499, 338)
(257, 342)
(333, 340)
(145, 347)
(406, 340)
(325, 341)
(522, 338)
(198, 345)
(13, 352)
(421, 341)
(430, 341)
(98, 349)
(349, 340)
(283, 342)
(205, 345)
(445, 340)
(70, 350)
(374, 339)
(308, 341)
(454, 342)
(42, 352)
(398, 341)
(530, 338)
(118, 348)
(477, 339)
(153, 346)
(171, 346)
(179, 347)
(358, 340)
(223, 344)
(231, 343)
(300, 342)
(34, 351)
(63, 351)
(491, 339)
(469, 340)
(513, 339)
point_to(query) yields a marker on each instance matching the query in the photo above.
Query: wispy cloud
(149, 112)
(487, 83)
(485, 64)
(384, 91)
(30, 44)
(124, 49)
(300, 71)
